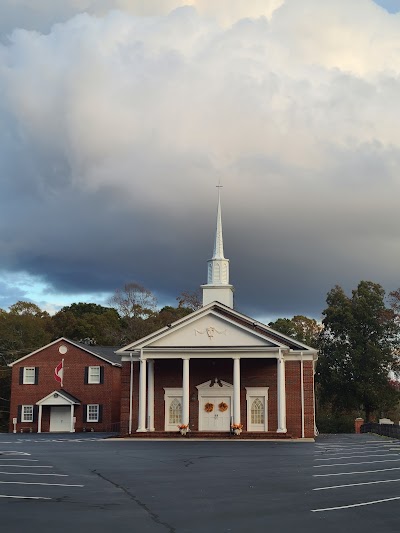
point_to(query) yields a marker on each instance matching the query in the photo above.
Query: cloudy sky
(119, 117)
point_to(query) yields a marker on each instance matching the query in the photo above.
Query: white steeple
(218, 288)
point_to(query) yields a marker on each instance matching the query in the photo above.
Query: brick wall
(107, 394)
(254, 373)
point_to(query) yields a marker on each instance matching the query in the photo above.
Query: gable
(210, 330)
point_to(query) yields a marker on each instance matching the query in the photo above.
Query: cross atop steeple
(218, 287)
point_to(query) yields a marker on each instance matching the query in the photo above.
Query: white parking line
(32, 474)
(356, 456)
(358, 472)
(24, 497)
(359, 463)
(355, 484)
(26, 466)
(13, 459)
(37, 483)
(12, 452)
(354, 505)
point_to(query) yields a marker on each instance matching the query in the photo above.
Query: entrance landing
(246, 435)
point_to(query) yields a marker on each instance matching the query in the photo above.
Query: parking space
(23, 477)
(355, 471)
(347, 482)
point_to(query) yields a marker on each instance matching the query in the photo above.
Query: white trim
(169, 395)
(205, 391)
(150, 396)
(251, 394)
(44, 401)
(91, 381)
(23, 417)
(302, 394)
(65, 340)
(24, 376)
(141, 343)
(88, 420)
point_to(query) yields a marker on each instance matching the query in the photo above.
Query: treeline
(358, 342)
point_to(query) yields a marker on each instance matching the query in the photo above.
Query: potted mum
(236, 429)
(183, 428)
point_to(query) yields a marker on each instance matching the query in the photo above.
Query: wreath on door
(209, 407)
(223, 407)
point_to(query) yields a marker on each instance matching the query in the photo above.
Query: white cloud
(294, 105)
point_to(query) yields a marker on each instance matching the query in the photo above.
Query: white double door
(215, 413)
(60, 418)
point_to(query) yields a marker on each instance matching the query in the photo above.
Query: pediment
(210, 330)
(214, 382)
(58, 397)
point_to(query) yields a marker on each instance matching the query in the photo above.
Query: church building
(217, 370)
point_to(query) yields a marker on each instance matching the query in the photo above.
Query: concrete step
(245, 435)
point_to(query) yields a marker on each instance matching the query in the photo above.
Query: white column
(72, 430)
(150, 396)
(281, 395)
(142, 396)
(130, 395)
(236, 390)
(302, 394)
(39, 428)
(185, 391)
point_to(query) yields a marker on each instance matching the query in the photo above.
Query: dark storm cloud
(116, 128)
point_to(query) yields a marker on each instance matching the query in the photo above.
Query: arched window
(175, 412)
(257, 411)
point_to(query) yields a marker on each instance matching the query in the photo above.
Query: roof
(224, 311)
(106, 353)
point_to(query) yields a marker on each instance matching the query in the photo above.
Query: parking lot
(83, 481)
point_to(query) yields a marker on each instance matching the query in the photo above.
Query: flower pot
(183, 431)
(237, 431)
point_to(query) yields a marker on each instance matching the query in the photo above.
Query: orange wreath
(209, 407)
(223, 407)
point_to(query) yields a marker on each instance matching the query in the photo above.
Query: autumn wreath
(223, 407)
(209, 407)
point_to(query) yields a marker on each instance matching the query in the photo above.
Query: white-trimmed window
(175, 412)
(29, 375)
(94, 374)
(92, 414)
(257, 408)
(27, 413)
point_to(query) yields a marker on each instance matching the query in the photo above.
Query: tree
(134, 301)
(357, 350)
(80, 321)
(190, 299)
(301, 328)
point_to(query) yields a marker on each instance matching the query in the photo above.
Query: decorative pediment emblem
(210, 331)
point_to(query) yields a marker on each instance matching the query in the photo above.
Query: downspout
(130, 395)
(302, 394)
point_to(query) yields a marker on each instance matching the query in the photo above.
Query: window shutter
(35, 412)
(100, 413)
(86, 375)
(102, 374)
(19, 413)
(21, 375)
(84, 413)
(36, 375)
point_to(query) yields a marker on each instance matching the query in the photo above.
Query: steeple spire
(219, 243)
(218, 287)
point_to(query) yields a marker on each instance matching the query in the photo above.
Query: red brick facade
(106, 394)
(253, 372)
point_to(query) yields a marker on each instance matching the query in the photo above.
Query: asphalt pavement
(74, 482)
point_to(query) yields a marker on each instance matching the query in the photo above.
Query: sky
(119, 117)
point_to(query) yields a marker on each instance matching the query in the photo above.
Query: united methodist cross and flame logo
(59, 372)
